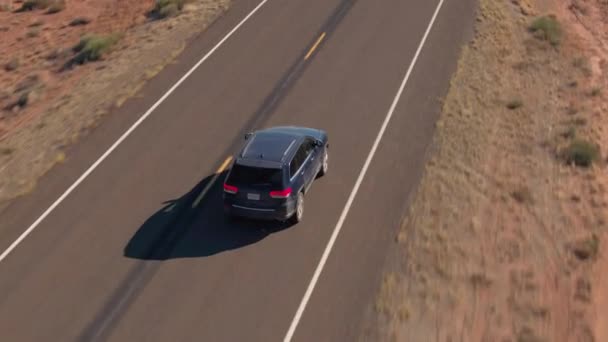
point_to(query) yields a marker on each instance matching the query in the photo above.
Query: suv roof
(270, 147)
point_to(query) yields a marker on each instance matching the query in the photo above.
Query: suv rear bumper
(280, 213)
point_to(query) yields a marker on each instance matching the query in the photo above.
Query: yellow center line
(212, 181)
(224, 165)
(314, 47)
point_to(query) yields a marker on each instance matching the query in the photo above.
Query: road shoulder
(504, 237)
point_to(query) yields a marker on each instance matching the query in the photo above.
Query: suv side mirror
(318, 143)
(248, 135)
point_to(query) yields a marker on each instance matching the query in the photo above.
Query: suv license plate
(254, 197)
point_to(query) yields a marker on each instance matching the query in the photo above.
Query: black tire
(325, 164)
(299, 213)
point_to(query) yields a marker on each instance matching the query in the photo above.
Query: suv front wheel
(325, 164)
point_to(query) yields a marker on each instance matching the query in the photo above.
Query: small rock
(80, 21)
(586, 249)
(12, 65)
(23, 100)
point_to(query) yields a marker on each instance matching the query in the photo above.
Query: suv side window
(293, 167)
(309, 146)
(298, 159)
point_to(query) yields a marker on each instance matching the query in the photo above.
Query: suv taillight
(281, 193)
(230, 189)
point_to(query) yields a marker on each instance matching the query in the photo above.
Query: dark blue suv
(274, 170)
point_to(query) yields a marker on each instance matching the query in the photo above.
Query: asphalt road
(127, 257)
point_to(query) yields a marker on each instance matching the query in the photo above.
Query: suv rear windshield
(256, 176)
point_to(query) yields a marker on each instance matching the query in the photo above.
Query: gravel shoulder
(505, 238)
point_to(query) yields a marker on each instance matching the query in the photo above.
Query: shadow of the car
(179, 231)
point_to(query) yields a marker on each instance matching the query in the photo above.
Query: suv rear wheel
(297, 216)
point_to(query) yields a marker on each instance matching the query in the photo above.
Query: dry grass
(570, 133)
(582, 63)
(389, 284)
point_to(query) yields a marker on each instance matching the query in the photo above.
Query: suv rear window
(256, 176)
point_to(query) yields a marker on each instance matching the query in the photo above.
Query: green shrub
(91, 48)
(547, 28)
(167, 8)
(168, 11)
(53, 6)
(30, 5)
(580, 153)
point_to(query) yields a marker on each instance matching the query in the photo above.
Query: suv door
(296, 169)
(300, 166)
(310, 163)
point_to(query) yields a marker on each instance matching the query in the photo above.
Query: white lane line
(353, 194)
(125, 135)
